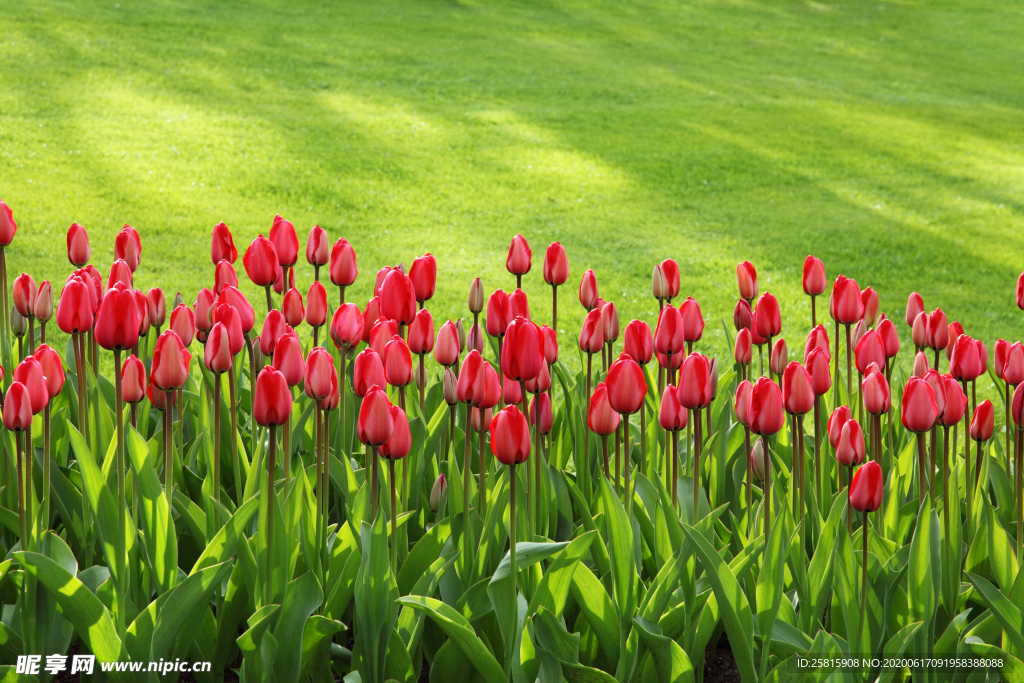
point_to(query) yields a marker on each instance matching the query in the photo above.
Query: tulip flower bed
(300, 487)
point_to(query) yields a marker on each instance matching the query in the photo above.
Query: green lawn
(885, 137)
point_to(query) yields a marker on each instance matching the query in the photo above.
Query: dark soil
(719, 664)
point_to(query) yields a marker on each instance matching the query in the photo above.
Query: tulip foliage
(294, 486)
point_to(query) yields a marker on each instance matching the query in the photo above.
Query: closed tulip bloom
(421, 332)
(778, 357)
(694, 389)
(672, 415)
(78, 245)
(183, 321)
(1020, 291)
(919, 410)
(234, 298)
(743, 350)
(331, 400)
(318, 374)
(518, 305)
(591, 338)
(767, 319)
(859, 330)
(157, 307)
(670, 361)
(286, 242)
(519, 255)
(316, 304)
(205, 301)
(522, 354)
(480, 418)
(224, 275)
(292, 307)
(1017, 406)
(869, 305)
(668, 335)
(875, 390)
(42, 303)
(343, 268)
(449, 382)
(834, 427)
(118, 319)
(475, 338)
(30, 373)
(601, 417)
(272, 402)
(746, 280)
(953, 332)
(510, 436)
(222, 245)
(74, 311)
(850, 449)
(1013, 369)
(489, 389)
(890, 338)
(217, 353)
(869, 350)
(915, 306)
(638, 343)
(143, 305)
(170, 361)
(397, 362)
(540, 383)
(17, 402)
(367, 372)
(497, 313)
(692, 320)
(934, 380)
(511, 391)
(920, 365)
(316, 246)
(397, 297)
(954, 401)
(797, 389)
(1000, 351)
(53, 368)
(626, 385)
(160, 399)
(261, 263)
(550, 340)
(814, 276)
(766, 412)
(938, 329)
(866, 487)
(742, 315)
(556, 265)
(128, 247)
(423, 273)
(540, 413)
(756, 459)
(967, 361)
(475, 300)
(817, 367)
(347, 327)
(983, 421)
(741, 402)
(274, 326)
(446, 346)
(609, 321)
(228, 314)
(133, 380)
(659, 286)
(23, 293)
(471, 365)
(399, 442)
(919, 331)
(588, 289)
(846, 297)
(669, 270)
(375, 420)
(382, 332)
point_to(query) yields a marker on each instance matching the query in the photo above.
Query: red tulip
(497, 313)
(746, 280)
(367, 372)
(399, 441)
(766, 414)
(673, 415)
(556, 265)
(347, 327)
(954, 401)
(74, 312)
(128, 247)
(222, 245)
(475, 338)
(591, 338)
(53, 368)
(890, 338)
(160, 399)
(919, 331)
(694, 389)
(204, 305)
(118, 320)
(866, 487)
(983, 422)
(588, 289)
(692, 320)
(397, 362)
(234, 298)
(518, 260)
(778, 357)
(170, 361)
(133, 380)
(423, 273)
(869, 350)
(869, 305)
(316, 246)
(274, 326)
(1013, 370)
(471, 365)
(157, 307)
(669, 270)
(30, 373)
(228, 314)
(381, 333)
(17, 404)
(318, 374)
(767, 319)
(846, 305)
(23, 292)
(609, 321)
(938, 330)
(446, 347)
(541, 403)
(343, 263)
(834, 427)
(919, 410)
(742, 315)
(1020, 291)
(42, 302)
(850, 449)
(743, 351)
(8, 227)
(626, 385)
(488, 389)
(668, 335)
(217, 353)
(797, 389)
(550, 339)
(224, 275)
(143, 305)
(638, 342)
(915, 306)
(421, 332)
(397, 297)
(953, 332)
(292, 308)
(518, 305)
(78, 245)
(540, 383)
(968, 359)
(814, 276)
(741, 402)
(510, 436)
(875, 390)
(522, 354)
(272, 404)
(601, 417)
(261, 262)
(286, 242)
(288, 359)
(1017, 406)
(817, 367)
(316, 305)
(183, 321)
(331, 400)
(375, 418)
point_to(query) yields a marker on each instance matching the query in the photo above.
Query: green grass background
(885, 137)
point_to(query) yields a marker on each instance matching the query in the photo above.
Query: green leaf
(181, 606)
(620, 537)
(669, 659)
(458, 628)
(301, 598)
(77, 603)
(161, 541)
(1006, 613)
(599, 610)
(375, 596)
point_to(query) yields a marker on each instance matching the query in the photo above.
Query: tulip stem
(466, 476)
(849, 364)
(800, 465)
(835, 366)
(341, 294)
(864, 566)
(697, 445)
(394, 517)
(541, 527)
(374, 495)
(643, 431)
(83, 418)
(270, 301)
(236, 459)
(122, 509)
(814, 311)
(512, 527)
(945, 482)
(583, 461)
(933, 462)
(318, 438)
(1020, 493)
(749, 478)
(481, 489)
(216, 437)
(271, 466)
(1007, 422)
(767, 485)
(421, 384)
(22, 517)
(47, 469)
(674, 472)
(922, 479)
(286, 443)
(604, 453)
(554, 308)
(168, 472)
(625, 455)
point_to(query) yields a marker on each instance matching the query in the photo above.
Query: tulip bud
(316, 246)
(438, 492)
(118, 319)
(850, 449)
(757, 459)
(869, 350)
(497, 313)
(668, 335)
(272, 404)
(1013, 369)
(983, 422)
(510, 436)
(518, 306)
(673, 415)
(397, 362)
(316, 305)
(915, 306)
(23, 292)
(1020, 291)
(347, 327)
(601, 417)
(778, 357)
(659, 285)
(694, 390)
(133, 380)
(869, 305)
(588, 290)
(846, 306)
(814, 276)
(550, 339)
(817, 367)
(17, 404)
(890, 337)
(919, 409)
(288, 359)
(19, 324)
(78, 245)
(53, 369)
(318, 373)
(746, 280)
(261, 262)
(797, 389)
(835, 424)
(866, 487)
(128, 247)
(742, 315)
(448, 384)
(692, 320)
(743, 352)
(74, 311)
(741, 402)
(475, 339)
(170, 361)
(222, 246)
(767, 320)
(476, 296)
(217, 353)
(42, 303)
(183, 321)
(591, 339)
(30, 373)
(541, 404)
(875, 390)
(556, 265)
